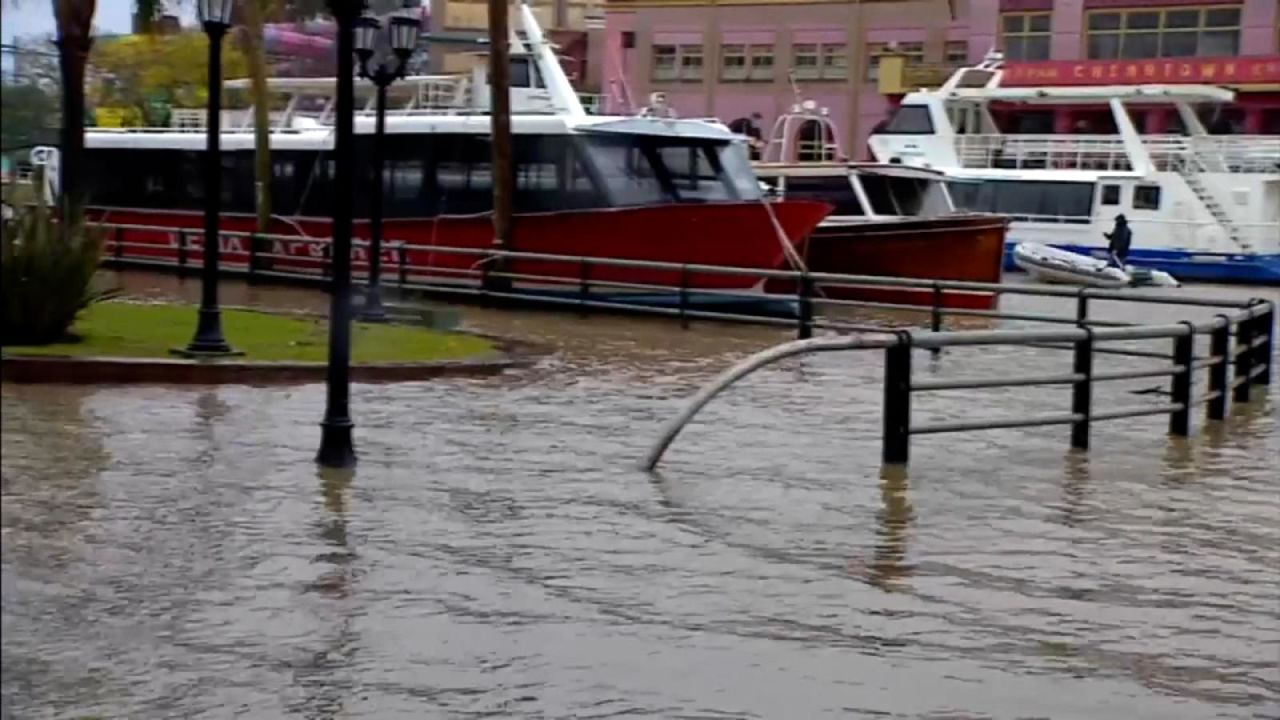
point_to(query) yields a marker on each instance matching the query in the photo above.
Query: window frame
(678, 72)
(1139, 193)
(1025, 34)
(1162, 31)
(822, 54)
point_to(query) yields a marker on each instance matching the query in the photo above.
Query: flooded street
(175, 552)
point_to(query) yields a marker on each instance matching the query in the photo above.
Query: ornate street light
(215, 15)
(336, 447)
(402, 37)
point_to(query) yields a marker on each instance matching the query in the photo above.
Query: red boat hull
(958, 247)
(740, 235)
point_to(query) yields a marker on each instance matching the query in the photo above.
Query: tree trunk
(74, 20)
(254, 49)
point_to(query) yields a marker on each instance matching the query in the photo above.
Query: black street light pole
(215, 15)
(336, 447)
(403, 36)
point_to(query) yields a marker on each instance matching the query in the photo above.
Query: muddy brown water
(175, 553)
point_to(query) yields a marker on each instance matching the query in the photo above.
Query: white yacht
(1202, 207)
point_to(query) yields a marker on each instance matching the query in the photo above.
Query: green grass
(129, 329)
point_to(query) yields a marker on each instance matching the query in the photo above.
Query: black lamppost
(215, 15)
(403, 37)
(336, 447)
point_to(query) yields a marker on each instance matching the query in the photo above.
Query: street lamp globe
(215, 13)
(366, 36)
(404, 36)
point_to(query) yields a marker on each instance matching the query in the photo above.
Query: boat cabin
(860, 191)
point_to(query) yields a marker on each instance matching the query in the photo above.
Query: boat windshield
(644, 170)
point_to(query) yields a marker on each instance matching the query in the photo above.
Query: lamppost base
(336, 447)
(373, 311)
(209, 341)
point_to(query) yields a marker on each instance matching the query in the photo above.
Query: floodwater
(175, 553)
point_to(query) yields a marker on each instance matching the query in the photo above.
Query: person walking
(1119, 240)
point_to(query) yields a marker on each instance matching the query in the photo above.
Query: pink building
(732, 58)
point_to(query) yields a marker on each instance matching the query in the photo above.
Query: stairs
(1215, 209)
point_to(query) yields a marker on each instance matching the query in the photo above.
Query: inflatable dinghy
(1052, 265)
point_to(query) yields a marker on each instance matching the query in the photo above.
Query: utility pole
(500, 129)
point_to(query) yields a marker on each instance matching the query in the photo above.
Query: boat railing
(1043, 152)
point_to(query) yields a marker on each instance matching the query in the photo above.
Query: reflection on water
(173, 552)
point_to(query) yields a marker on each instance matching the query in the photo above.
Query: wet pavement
(175, 553)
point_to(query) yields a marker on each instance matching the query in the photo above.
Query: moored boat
(628, 188)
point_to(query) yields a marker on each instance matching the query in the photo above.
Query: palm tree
(74, 22)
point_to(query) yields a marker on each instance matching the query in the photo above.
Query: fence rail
(1239, 355)
(1251, 324)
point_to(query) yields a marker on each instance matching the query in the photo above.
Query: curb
(162, 371)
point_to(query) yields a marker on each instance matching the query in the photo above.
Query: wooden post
(500, 129)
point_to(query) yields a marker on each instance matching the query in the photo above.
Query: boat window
(910, 120)
(693, 174)
(1146, 197)
(626, 171)
(735, 160)
(894, 195)
(1038, 201)
(524, 74)
(833, 190)
(1110, 194)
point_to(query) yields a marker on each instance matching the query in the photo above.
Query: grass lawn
(127, 329)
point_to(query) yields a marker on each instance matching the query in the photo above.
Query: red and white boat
(631, 188)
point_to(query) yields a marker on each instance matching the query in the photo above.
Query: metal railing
(1252, 326)
(591, 284)
(1234, 154)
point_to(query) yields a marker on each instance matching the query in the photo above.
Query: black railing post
(402, 264)
(684, 297)
(253, 259)
(935, 316)
(1082, 307)
(895, 442)
(1184, 356)
(804, 315)
(326, 265)
(584, 285)
(1265, 328)
(182, 253)
(1244, 360)
(1082, 390)
(1220, 356)
(119, 248)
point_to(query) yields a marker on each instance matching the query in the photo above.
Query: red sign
(1164, 71)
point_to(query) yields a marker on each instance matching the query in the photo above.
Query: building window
(733, 62)
(835, 62)
(677, 63)
(1025, 36)
(1163, 33)
(914, 52)
(814, 61)
(956, 52)
(761, 57)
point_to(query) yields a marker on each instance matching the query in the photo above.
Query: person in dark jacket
(1120, 238)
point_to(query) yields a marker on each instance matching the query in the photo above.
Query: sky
(35, 17)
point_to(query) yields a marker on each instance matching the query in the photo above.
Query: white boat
(1052, 265)
(1201, 206)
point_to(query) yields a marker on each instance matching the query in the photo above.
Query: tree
(74, 20)
(254, 12)
(144, 70)
(30, 116)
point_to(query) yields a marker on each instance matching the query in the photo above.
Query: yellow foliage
(173, 69)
